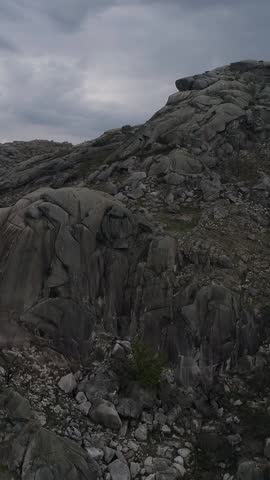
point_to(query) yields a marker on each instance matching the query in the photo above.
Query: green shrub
(146, 365)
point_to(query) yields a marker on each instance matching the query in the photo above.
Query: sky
(72, 69)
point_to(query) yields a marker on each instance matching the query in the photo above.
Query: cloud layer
(70, 69)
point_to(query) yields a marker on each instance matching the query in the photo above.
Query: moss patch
(3, 468)
(182, 222)
(89, 166)
(93, 160)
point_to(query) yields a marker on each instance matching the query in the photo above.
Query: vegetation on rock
(146, 364)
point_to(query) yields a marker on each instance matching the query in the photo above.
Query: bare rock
(119, 470)
(67, 383)
(106, 414)
(141, 433)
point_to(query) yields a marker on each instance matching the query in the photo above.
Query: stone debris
(67, 383)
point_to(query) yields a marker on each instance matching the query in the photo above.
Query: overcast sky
(70, 69)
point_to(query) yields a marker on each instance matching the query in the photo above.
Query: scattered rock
(166, 430)
(211, 188)
(106, 414)
(109, 454)
(81, 397)
(118, 352)
(119, 470)
(180, 469)
(141, 433)
(234, 439)
(179, 460)
(134, 469)
(184, 452)
(95, 453)
(67, 383)
(18, 407)
(85, 408)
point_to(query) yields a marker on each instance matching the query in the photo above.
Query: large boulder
(253, 471)
(61, 251)
(17, 406)
(36, 452)
(99, 385)
(49, 456)
(179, 161)
(105, 414)
(197, 82)
(135, 399)
(119, 470)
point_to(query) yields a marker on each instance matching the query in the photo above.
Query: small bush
(146, 365)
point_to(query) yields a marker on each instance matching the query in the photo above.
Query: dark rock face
(72, 259)
(61, 251)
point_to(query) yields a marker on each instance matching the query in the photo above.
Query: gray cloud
(67, 14)
(197, 3)
(8, 11)
(7, 45)
(72, 68)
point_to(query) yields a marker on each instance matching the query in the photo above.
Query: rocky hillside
(158, 232)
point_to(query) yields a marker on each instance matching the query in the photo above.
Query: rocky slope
(162, 231)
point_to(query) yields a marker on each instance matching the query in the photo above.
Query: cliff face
(198, 172)
(160, 230)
